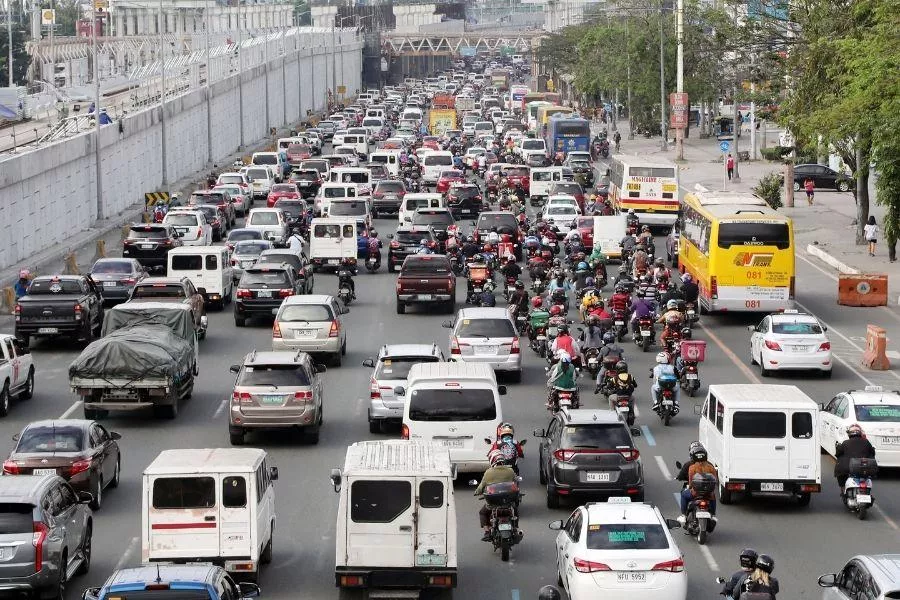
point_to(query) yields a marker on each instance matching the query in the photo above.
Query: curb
(830, 260)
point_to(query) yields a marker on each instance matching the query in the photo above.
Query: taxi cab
(876, 410)
(619, 549)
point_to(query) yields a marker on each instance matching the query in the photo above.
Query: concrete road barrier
(71, 262)
(8, 301)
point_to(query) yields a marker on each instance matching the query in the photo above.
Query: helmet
(580, 256)
(854, 431)
(671, 285)
(555, 311)
(593, 321)
(496, 458)
(564, 358)
(505, 429)
(662, 358)
(563, 330)
(630, 211)
(748, 558)
(373, 233)
(673, 320)
(537, 302)
(582, 266)
(672, 305)
(694, 445)
(470, 238)
(423, 243)
(645, 228)
(699, 453)
(659, 262)
(620, 289)
(510, 257)
(520, 285)
(598, 302)
(548, 592)
(765, 563)
(623, 269)
(489, 286)
(686, 278)
(609, 337)
(622, 366)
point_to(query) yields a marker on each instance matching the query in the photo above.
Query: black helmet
(621, 367)
(548, 592)
(698, 453)
(765, 563)
(563, 329)
(609, 337)
(748, 558)
(520, 285)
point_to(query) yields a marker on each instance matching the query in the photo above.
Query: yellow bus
(739, 251)
(545, 111)
(531, 110)
(650, 188)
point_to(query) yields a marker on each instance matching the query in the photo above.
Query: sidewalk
(825, 231)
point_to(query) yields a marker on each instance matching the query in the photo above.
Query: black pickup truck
(60, 305)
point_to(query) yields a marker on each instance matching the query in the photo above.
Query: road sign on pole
(680, 110)
(724, 146)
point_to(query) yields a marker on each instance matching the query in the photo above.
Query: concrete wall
(50, 193)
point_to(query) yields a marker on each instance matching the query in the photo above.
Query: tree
(67, 14)
(21, 60)
(302, 13)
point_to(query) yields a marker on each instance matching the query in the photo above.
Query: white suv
(191, 225)
(391, 369)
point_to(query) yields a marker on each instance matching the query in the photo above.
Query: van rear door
(183, 517)
(431, 525)
(760, 441)
(381, 524)
(236, 516)
(804, 445)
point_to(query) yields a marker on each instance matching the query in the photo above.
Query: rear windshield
(516, 171)
(284, 187)
(257, 174)
(390, 186)
(492, 328)
(187, 262)
(319, 165)
(264, 278)
(425, 267)
(881, 413)
(397, 367)
(306, 175)
(263, 218)
(49, 286)
(161, 595)
(181, 219)
(145, 233)
(595, 436)
(310, 313)
(354, 177)
(158, 290)
(433, 218)
(112, 266)
(291, 206)
(251, 247)
(51, 439)
(347, 209)
(265, 159)
(208, 198)
(769, 425)
(184, 492)
(406, 237)
(796, 328)
(436, 160)
(533, 145)
(16, 518)
(237, 235)
(567, 188)
(339, 192)
(231, 179)
(333, 231)
(626, 536)
(754, 234)
(504, 223)
(273, 375)
(447, 404)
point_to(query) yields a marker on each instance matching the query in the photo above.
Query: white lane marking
(663, 468)
(78, 404)
(220, 408)
(132, 545)
(887, 519)
(731, 355)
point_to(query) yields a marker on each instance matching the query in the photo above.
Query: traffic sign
(724, 146)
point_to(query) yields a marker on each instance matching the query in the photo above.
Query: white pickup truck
(16, 372)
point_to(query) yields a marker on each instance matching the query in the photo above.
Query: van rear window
(769, 425)
(16, 518)
(449, 404)
(187, 262)
(166, 594)
(184, 492)
(379, 501)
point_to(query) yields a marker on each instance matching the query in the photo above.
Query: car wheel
(28, 392)
(796, 186)
(97, 502)
(401, 308)
(59, 591)
(843, 186)
(85, 565)
(114, 483)
(236, 438)
(752, 360)
(552, 497)
(826, 374)
(542, 477)
(266, 556)
(725, 495)
(4, 400)
(240, 321)
(803, 499)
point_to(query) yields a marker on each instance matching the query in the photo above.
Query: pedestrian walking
(729, 165)
(870, 231)
(810, 187)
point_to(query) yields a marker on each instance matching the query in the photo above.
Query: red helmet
(555, 310)
(537, 302)
(488, 248)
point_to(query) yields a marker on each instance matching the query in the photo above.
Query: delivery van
(434, 162)
(332, 240)
(213, 505)
(358, 175)
(455, 405)
(762, 439)
(208, 267)
(413, 202)
(608, 232)
(396, 519)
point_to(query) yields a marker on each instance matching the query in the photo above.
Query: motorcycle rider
(641, 308)
(345, 278)
(640, 260)
(855, 446)
(22, 283)
(487, 294)
(561, 377)
(470, 248)
(538, 317)
(610, 353)
(591, 205)
(672, 293)
(519, 298)
(598, 309)
(565, 344)
(548, 592)
(598, 259)
(519, 192)
(510, 268)
(645, 235)
(559, 282)
(690, 291)
(374, 245)
(592, 336)
(499, 472)
(660, 271)
(761, 581)
(424, 248)
(732, 587)
(620, 300)
(663, 370)
(672, 319)
(506, 434)
(699, 466)
(628, 243)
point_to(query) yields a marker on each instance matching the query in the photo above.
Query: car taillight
(242, 397)
(242, 293)
(630, 455)
(77, 312)
(79, 466)
(672, 566)
(378, 194)
(825, 346)
(127, 242)
(129, 280)
(773, 346)
(334, 330)
(713, 287)
(588, 566)
(303, 396)
(454, 345)
(395, 244)
(276, 330)
(18, 311)
(374, 392)
(10, 467)
(564, 455)
(285, 293)
(515, 346)
(404, 432)
(37, 540)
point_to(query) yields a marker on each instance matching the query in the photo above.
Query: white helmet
(563, 356)
(662, 358)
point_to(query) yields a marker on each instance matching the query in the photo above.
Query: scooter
(644, 335)
(666, 409)
(619, 323)
(345, 291)
(690, 377)
(699, 521)
(592, 361)
(623, 403)
(857, 493)
(560, 398)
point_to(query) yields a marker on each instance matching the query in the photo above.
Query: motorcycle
(345, 289)
(510, 287)
(538, 286)
(560, 398)
(592, 361)
(539, 343)
(477, 277)
(690, 314)
(620, 324)
(857, 492)
(502, 499)
(456, 265)
(643, 337)
(699, 521)
(690, 377)
(623, 403)
(666, 408)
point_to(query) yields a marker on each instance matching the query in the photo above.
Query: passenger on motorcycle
(672, 319)
(625, 381)
(689, 289)
(506, 434)
(470, 248)
(661, 272)
(487, 294)
(598, 309)
(565, 343)
(620, 300)
(663, 370)
(610, 354)
(855, 446)
(628, 243)
(424, 248)
(732, 588)
(592, 335)
(645, 235)
(374, 246)
(499, 472)
(538, 317)
(640, 261)
(559, 283)
(673, 293)
(519, 298)
(510, 268)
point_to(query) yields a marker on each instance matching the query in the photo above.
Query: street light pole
(162, 96)
(240, 71)
(209, 154)
(679, 76)
(9, 45)
(628, 77)
(99, 173)
(662, 84)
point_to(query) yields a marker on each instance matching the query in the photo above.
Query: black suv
(261, 291)
(406, 242)
(150, 243)
(464, 199)
(302, 267)
(589, 452)
(387, 197)
(439, 219)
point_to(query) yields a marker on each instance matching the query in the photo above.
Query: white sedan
(561, 216)
(619, 549)
(790, 341)
(874, 409)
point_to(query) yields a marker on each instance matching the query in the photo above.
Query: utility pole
(240, 71)
(662, 83)
(752, 111)
(209, 148)
(99, 173)
(736, 177)
(162, 96)
(9, 45)
(628, 80)
(679, 76)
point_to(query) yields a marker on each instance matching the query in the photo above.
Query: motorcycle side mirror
(501, 389)
(677, 464)
(523, 442)
(369, 363)
(488, 441)
(447, 324)
(720, 580)
(400, 390)
(555, 525)
(473, 482)
(751, 328)
(390, 236)
(827, 580)
(673, 524)
(539, 433)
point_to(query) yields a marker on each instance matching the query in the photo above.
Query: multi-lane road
(804, 541)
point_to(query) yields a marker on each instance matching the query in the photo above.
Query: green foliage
(67, 14)
(769, 189)
(302, 14)
(21, 59)
(776, 153)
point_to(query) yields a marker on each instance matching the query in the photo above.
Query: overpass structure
(398, 43)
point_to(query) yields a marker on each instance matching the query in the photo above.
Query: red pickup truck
(426, 279)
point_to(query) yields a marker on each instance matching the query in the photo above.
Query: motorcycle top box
(501, 494)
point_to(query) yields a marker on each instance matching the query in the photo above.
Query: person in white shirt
(296, 242)
(870, 230)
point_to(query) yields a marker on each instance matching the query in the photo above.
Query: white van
(483, 128)
(333, 191)
(261, 180)
(209, 505)
(412, 114)
(608, 232)
(208, 267)
(273, 160)
(358, 141)
(455, 405)
(396, 518)
(762, 439)
(541, 180)
(358, 209)
(413, 202)
(331, 240)
(389, 158)
(375, 112)
(359, 176)
(434, 162)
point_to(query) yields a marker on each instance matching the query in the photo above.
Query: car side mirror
(501, 389)
(523, 442)
(673, 524)
(336, 479)
(539, 433)
(320, 367)
(234, 368)
(636, 431)
(447, 324)
(400, 390)
(369, 363)
(90, 594)
(248, 590)
(555, 525)
(115, 435)
(751, 328)
(273, 473)
(827, 580)
(85, 497)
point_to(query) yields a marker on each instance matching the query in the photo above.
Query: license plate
(304, 183)
(263, 294)
(891, 441)
(592, 361)
(521, 318)
(488, 349)
(181, 229)
(800, 348)
(691, 313)
(48, 330)
(703, 515)
(271, 400)
(7, 552)
(44, 472)
(771, 487)
(864, 498)
(334, 261)
(107, 284)
(693, 376)
(452, 443)
(424, 296)
(304, 333)
(477, 289)
(645, 333)
(466, 210)
(628, 577)
(620, 323)
(431, 560)
(668, 403)
(597, 476)
(504, 526)
(246, 264)
(146, 246)
(541, 337)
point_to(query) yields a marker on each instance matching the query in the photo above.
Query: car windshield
(311, 313)
(253, 174)
(181, 219)
(433, 218)
(54, 286)
(159, 290)
(237, 235)
(533, 145)
(231, 179)
(444, 404)
(605, 437)
(263, 218)
(880, 413)
(264, 278)
(51, 439)
(252, 247)
(516, 171)
(452, 175)
(161, 594)
(16, 518)
(486, 328)
(349, 208)
(626, 536)
(111, 266)
(397, 367)
(291, 375)
(796, 328)
(410, 237)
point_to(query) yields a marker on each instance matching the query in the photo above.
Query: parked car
(822, 176)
